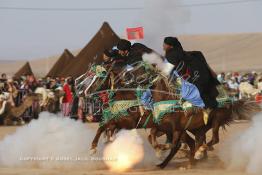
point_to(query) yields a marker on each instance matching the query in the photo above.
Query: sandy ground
(212, 166)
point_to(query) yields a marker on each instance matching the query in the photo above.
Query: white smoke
(50, 142)
(154, 58)
(243, 151)
(54, 141)
(127, 150)
(163, 18)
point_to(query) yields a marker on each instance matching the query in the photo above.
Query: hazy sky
(29, 34)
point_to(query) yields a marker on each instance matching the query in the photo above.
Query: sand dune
(228, 52)
(39, 66)
(224, 52)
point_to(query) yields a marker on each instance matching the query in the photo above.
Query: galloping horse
(172, 124)
(133, 117)
(193, 119)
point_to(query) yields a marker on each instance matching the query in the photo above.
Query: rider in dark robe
(132, 53)
(113, 58)
(193, 67)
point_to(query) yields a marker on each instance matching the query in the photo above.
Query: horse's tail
(244, 109)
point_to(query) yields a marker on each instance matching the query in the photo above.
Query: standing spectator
(3, 77)
(68, 98)
(3, 81)
(237, 77)
(53, 84)
(48, 83)
(81, 103)
(32, 83)
(75, 98)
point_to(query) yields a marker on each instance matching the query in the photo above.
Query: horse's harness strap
(112, 79)
(188, 122)
(147, 120)
(145, 123)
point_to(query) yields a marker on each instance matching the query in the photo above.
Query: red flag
(135, 33)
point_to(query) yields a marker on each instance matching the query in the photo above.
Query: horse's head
(140, 74)
(98, 80)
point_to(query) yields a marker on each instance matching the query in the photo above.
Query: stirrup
(206, 113)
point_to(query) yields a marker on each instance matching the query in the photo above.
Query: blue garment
(190, 92)
(129, 67)
(147, 100)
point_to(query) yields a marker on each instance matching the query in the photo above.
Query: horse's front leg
(96, 139)
(191, 143)
(215, 137)
(110, 131)
(152, 137)
(176, 145)
(153, 141)
(200, 148)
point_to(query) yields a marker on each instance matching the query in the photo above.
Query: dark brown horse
(136, 117)
(173, 124)
(193, 120)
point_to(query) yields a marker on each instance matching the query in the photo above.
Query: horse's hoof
(111, 139)
(184, 146)
(158, 153)
(199, 155)
(182, 168)
(203, 148)
(21, 123)
(158, 162)
(161, 166)
(92, 151)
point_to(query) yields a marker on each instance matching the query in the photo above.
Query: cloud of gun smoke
(243, 151)
(54, 141)
(163, 18)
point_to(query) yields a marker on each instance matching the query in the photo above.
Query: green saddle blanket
(117, 109)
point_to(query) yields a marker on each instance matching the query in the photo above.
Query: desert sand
(213, 165)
